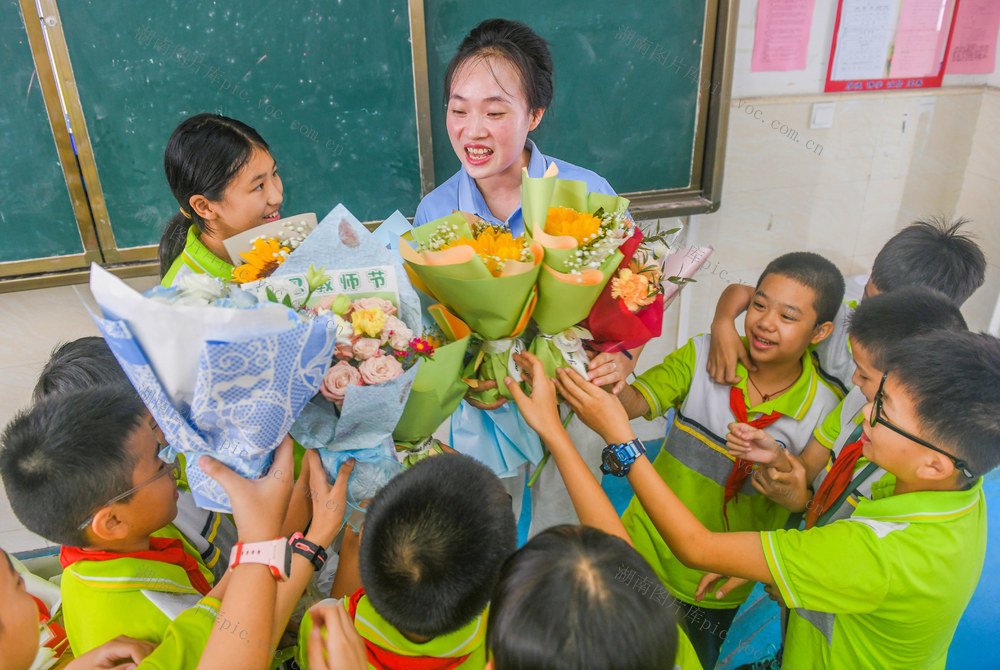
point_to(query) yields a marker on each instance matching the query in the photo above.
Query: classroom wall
(888, 159)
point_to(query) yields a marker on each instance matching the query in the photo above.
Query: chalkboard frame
(701, 196)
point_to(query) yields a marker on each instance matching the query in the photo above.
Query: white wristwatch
(275, 554)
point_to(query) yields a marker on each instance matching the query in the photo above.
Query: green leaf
(287, 301)
(270, 294)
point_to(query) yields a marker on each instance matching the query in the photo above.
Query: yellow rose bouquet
(484, 276)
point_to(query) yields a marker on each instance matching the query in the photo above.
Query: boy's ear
(202, 206)
(822, 331)
(935, 467)
(106, 526)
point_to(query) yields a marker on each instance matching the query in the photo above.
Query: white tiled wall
(34, 322)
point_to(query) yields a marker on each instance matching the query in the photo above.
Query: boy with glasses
(895, 577)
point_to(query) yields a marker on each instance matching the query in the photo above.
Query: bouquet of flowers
(222, 373)
(258, 252)
(373, 315)
(581, 234)
(629, 311)
(486, 278)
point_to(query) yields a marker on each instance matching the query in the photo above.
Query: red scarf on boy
(835, 483)
(742, 468)
(163, 549)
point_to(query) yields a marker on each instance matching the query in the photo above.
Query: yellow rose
(368, 321)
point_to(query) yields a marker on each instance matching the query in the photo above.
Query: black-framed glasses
(170, 468)
(878, 418)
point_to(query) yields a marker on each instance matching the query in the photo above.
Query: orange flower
(494, 247)
(263, 259)
(632, 289)
(581, 226)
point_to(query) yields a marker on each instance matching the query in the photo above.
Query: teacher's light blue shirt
(461, 193)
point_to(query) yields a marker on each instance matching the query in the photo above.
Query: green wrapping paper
(437, 390)
(564, 297)
(495, 308)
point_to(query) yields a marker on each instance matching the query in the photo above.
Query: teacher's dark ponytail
(203, 155)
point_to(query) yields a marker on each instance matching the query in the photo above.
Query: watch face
(611, 462)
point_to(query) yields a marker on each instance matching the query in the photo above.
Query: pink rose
(343, 351)
(396, 333)
(378, 303)
(380, 369)
(366, 347)
(337, 379)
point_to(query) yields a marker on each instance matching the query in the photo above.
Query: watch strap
(275, 554)
(303, 547)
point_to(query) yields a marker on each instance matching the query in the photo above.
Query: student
(795, 299)
(19, 631)
(932, 253)
(66, 464)
(431, 548)
(496, 90)
(877, 325)
(225, 181)
(88, 362)
(895, 577)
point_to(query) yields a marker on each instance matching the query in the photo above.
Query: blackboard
(625, 102)
(328, 85)
(36, 215)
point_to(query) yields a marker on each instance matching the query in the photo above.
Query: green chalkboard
(36, 215)
(626, 95)
(328, 85)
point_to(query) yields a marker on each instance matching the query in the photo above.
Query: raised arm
(737, 554)
(726, 347)
(540, 410)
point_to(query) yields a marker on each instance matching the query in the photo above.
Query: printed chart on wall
(890, 44)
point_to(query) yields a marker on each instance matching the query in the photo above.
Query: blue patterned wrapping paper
(369, 413)
(247, 391)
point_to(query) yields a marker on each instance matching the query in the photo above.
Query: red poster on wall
(890, 44)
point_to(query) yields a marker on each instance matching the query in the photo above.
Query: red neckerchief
(163, 549)
(742, 468)
(383, 659)
(836, 481)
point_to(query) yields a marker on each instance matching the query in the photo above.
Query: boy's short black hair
(814, 272)
(433, 542)
(881, 321)
(576, 597)
(932, 253)
(954, 381)
(79, 364)
(67, 455)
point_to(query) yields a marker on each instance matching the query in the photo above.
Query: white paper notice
(866, 31)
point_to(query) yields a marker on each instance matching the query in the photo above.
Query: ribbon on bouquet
(514, 345)
(569, 345)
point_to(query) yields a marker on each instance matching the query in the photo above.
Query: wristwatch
(303, 547)
(617, 459)
(275, 554)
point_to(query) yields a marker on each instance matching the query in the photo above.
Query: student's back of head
(433, 542)
(576, 597)
(60, 458)
(883, 320)
(953, 379)
(932, 253)
(814, 272)
(79, 364)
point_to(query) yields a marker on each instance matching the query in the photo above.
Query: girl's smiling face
(488, 118)
(251, 199)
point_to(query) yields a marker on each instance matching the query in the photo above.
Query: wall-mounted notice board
(890, 44)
